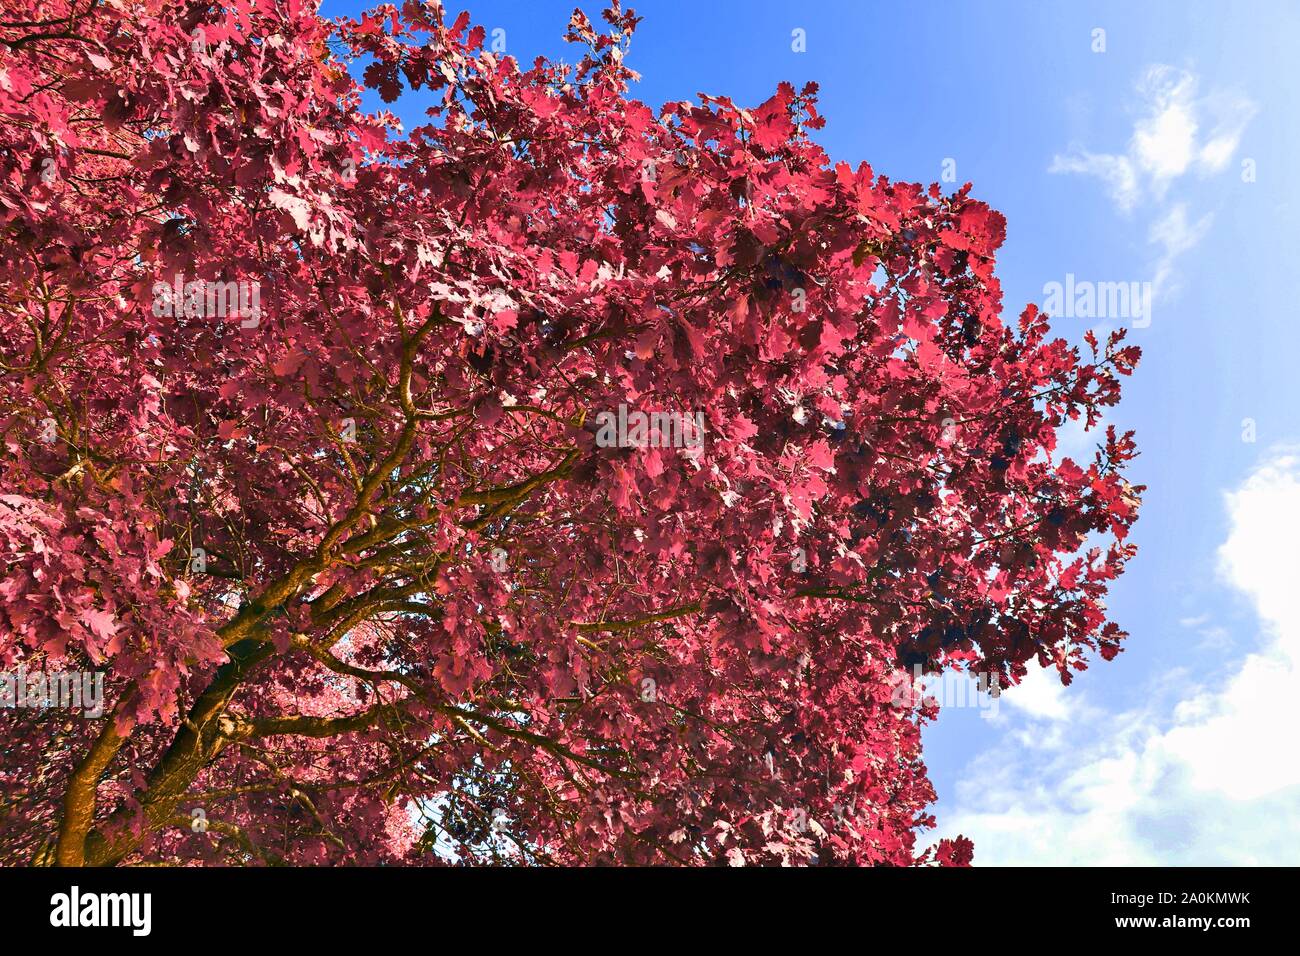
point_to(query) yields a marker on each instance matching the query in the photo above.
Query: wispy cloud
(1193, 780)
(1117, 172)
(1176, 132)
(1173, 235)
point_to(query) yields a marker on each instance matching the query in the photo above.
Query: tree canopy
(301, 450)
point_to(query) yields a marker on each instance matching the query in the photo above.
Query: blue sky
(1166, 158)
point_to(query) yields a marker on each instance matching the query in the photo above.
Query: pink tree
(306, 447)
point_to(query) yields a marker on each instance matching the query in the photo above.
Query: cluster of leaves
(436, 620)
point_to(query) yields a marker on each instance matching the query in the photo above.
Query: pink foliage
(365, 582)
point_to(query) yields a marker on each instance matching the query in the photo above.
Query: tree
(309, 447)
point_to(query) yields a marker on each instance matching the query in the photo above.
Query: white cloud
(1174, 235)
(1117, 172)
(1166, 140)
(1230, 114)
(1041, 695)
(1209, 778)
